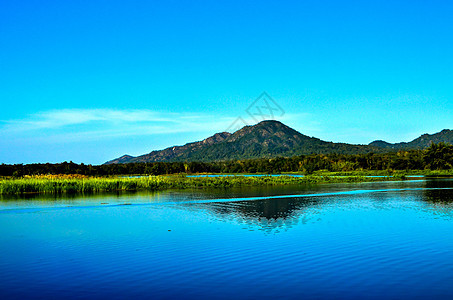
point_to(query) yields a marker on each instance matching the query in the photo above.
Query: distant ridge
(421, 142)
(270, 139)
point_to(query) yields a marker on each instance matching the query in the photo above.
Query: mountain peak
(264, 129)
(270, 122)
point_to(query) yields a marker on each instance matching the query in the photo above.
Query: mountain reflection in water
(276, 214)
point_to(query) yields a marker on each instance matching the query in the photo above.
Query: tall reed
(99, 184)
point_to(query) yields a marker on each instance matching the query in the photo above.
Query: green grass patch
(109, 184)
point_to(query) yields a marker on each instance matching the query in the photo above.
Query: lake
(354, 240)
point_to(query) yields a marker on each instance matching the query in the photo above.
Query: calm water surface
(362, 240)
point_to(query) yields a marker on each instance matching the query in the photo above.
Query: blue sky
(88, 81)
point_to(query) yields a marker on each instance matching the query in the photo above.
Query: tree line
(436, 157)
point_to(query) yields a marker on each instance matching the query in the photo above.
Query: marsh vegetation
(81, 184)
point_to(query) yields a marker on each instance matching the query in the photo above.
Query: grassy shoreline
(395, 173)
(80, 184)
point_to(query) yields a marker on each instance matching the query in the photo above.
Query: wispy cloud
(59, 118)
(74, 124)
(101, 134)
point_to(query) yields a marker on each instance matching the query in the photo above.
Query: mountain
(421, 142)
(270, 139)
